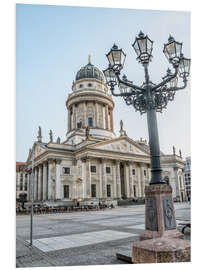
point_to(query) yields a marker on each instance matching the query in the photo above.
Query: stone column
(126, 177)
(74, 117)
(114, 181)
(58, 180)
(71, 114)
(106, 116)
(85, 115)
(139, 181)
(40, 183)
(84, 177)
(104, 182)
(177, 184)
(100, 179)
(44, 193)
(103, 117)
(111, 120)
(88, 179)
(96, 115)
(142, 177)
(50, 179)
(35, 183)
(30, 185)
(131, 180)
(118, 178)
(69, 120)
(23, 181)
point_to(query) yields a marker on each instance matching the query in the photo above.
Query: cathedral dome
(89, 71)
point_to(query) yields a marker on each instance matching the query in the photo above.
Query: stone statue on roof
(122, 131)
(174, 150)
(39, 137)
(180, 153)
(50, 136)
(58, 140)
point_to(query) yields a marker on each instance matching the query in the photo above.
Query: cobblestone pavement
(82, 238)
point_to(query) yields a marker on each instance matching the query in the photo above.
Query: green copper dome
(89, 71)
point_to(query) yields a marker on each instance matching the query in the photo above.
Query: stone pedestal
(159, 213)
(160, 250)
(161, 241)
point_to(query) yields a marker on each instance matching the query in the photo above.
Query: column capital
(58, 161)
(103, 160)
(130, 163)
(50, 160)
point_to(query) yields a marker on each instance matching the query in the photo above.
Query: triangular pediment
(122, 145)
(38, 149)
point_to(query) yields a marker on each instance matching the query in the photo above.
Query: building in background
(187, 171)
(21, 180)
(94, 163)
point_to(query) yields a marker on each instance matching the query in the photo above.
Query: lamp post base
(160, 250)
(161, 241)
(159, 213)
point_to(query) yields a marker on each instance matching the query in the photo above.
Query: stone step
(125, 256)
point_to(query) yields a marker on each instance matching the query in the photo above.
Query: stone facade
(21, 179)
(93, 162)
(187, 171)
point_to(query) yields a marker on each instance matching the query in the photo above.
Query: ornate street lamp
(172, 50)
(149, 97)
(116, 58)
(143, 47)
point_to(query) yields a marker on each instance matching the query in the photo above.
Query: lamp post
(150, 98)
(32, 199)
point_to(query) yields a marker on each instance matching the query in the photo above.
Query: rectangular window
(21, 181)
(93, 169)
(66, 191)
(133, 171)
(108, 170)
(90, 122)
(108, 190)
(145, 173)
(66, 170)
(134, 190)
(79, 124)
(21, 186)
(25, 184)
(93, 190)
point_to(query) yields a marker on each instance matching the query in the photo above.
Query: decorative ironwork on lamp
(149, 97)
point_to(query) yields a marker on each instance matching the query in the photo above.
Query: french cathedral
(93, 163)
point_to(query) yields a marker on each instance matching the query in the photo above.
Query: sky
(53, 42)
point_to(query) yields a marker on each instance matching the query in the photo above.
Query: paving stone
(94, 248)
